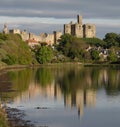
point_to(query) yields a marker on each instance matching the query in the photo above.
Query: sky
(48, 15)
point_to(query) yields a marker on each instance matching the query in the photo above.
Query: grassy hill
(13, 50)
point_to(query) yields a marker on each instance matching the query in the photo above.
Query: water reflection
(75, 86)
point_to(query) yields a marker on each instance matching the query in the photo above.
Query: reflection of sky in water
(104, 101)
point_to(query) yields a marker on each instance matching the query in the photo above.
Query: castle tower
(89, 31)
(79, 19)
(78, 30)
(57, 35)
(5, 30)
(67, 28)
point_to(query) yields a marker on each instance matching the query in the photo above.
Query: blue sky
(49, 15)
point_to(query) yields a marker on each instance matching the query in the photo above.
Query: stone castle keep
(80, 30)
(77, 29)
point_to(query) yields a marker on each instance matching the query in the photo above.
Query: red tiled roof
(32, 41)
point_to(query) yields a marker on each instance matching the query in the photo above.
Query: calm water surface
(64, 96)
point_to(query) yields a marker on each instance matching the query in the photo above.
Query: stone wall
(80, 30)
(67, 28)
(15, 31)
(89, 30)
(57, 35)
(50, 39)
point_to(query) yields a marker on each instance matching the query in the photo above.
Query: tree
(72, 47)
(112, 39)
(112, 56)
(95, 55)
(44, 54)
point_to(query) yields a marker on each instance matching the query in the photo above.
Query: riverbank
(15, 118)
(9, 67)
(5, 67)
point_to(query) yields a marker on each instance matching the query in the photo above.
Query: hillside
(13, 50)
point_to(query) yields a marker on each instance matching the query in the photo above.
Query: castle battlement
(33, 39)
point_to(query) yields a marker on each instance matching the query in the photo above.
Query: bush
(44, 54)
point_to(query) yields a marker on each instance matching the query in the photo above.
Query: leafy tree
(44, 54)
(72, 47)
(10, 60)
(94, 42)
(112, 56)
(112, 39)
(95, 55)
(118, 39)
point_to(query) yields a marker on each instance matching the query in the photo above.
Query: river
(71, 96)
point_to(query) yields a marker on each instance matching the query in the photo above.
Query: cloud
(104, 13)
(60, 8)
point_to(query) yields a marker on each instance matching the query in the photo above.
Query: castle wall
(57, 35)
(50, 39)
(24, 35)
(79, 30)
(73, 32)
(89, 30)
(15, 31)
(67, 29)
(35, 37)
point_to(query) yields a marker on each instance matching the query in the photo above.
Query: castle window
(89, 27)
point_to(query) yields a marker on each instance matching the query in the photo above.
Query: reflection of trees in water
(21, 79)
(14, 83)
(90, 78)
(113, 83)
(80, 85)
(44, 76)
(70, 80)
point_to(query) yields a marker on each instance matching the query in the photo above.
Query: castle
(33, 39)
(80, 30)
(77, 29)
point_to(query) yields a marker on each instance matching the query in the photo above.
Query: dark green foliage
(94, 42)
(112, 39)
(44, 54)
(112, 56)
(44, 76)
(72, 47)
(95, 55)
(10, 60)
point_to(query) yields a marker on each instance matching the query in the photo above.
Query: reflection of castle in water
(74, 87)
(49, 91)
(81, 98)
(53, 91)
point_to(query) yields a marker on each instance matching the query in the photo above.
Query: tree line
(70, 48)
